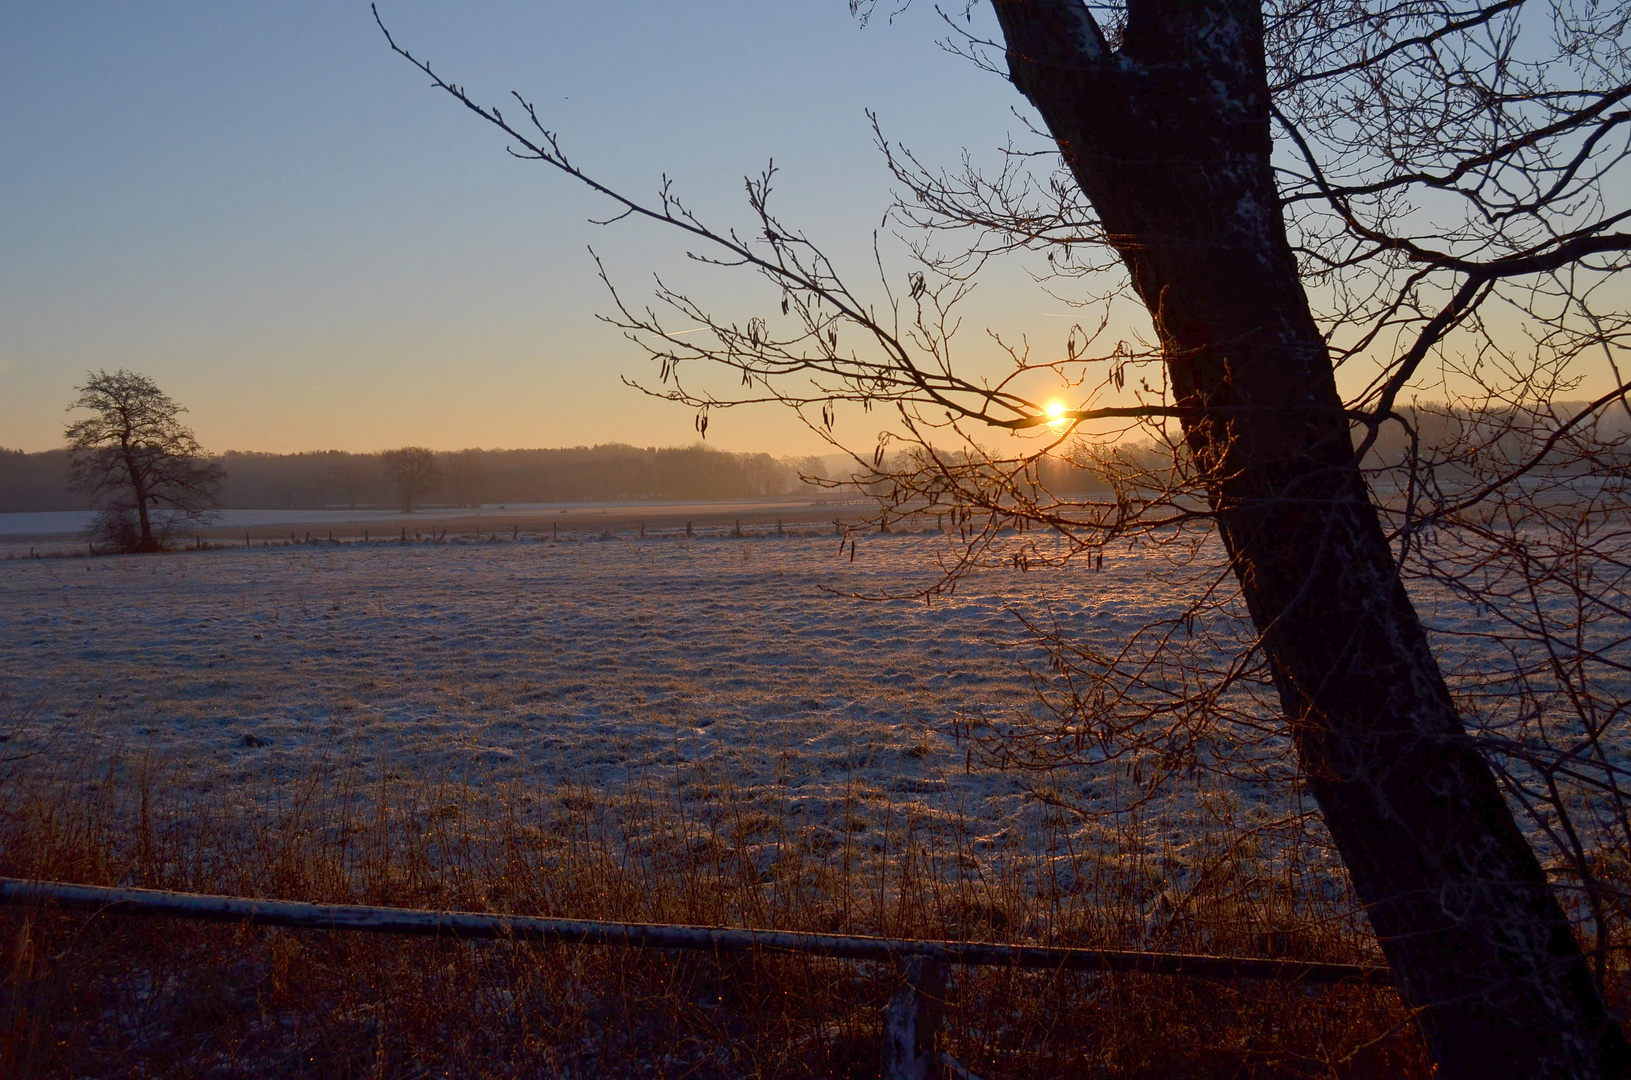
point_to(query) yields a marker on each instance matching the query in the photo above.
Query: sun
(1056, 412)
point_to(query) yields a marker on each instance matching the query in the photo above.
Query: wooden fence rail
(472, 925)
(909, 1021)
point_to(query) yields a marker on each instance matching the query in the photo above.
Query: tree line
(338, 479)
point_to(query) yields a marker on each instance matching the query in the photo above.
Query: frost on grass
(599, 670)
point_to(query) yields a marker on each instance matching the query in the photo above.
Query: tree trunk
(138, 490)
(1169, 138)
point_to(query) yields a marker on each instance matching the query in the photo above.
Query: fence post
(911, 1018)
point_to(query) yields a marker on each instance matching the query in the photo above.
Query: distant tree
(412, 469)
(35, 482)
(347, 473)
(466, 475)
(142, 464)
(806, 469)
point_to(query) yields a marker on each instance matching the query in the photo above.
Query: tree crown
(130, 411)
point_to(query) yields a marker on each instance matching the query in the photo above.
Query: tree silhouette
(412, 470)
(466, 474)
(1416, 191)
(136, 458)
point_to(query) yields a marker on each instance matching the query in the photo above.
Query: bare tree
(412, 469)
(139, 461)
(1416, 197)
(348, 476)
(466, 475)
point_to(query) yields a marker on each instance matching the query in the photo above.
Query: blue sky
(265, 210)
(281, 222)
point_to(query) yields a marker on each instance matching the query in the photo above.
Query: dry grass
(117, 997)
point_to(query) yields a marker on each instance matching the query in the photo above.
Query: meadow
(701, 730)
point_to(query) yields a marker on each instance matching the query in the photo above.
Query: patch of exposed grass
(120, 996)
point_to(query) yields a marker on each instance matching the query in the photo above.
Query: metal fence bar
(475, 925)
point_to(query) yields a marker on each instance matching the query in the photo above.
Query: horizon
(695, 445)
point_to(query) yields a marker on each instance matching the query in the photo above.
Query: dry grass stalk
(130, 997)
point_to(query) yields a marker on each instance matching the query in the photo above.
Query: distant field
(599, 663)
(606, 664)
(63, 525)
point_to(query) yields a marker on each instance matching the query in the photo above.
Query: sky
(301, 241)
(308, 246)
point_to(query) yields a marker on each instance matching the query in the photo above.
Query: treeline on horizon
(338, 479)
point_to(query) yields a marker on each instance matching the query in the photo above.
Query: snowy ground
(69, 524)
(602, 664)
(597, 663)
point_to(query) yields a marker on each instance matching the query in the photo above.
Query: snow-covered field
(59, 524)
(594, 663)
(599, 664)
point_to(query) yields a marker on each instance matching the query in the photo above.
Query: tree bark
(1169, 138)
(138, 487)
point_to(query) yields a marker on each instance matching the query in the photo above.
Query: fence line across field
(478, 925)
(910, 1019)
